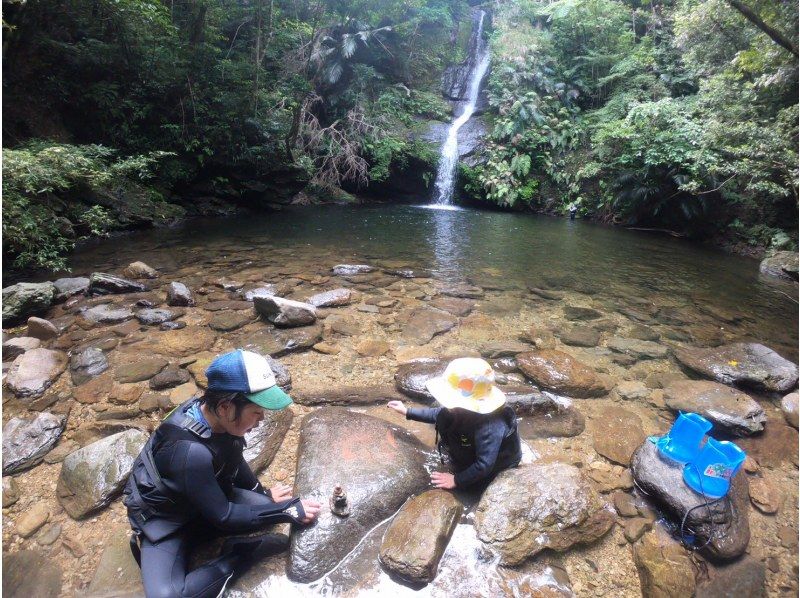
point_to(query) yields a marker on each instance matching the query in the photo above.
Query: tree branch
(773, 33)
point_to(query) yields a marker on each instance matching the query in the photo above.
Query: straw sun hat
(467, 383)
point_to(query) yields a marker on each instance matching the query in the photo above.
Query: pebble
(32, 520)
(49, 535)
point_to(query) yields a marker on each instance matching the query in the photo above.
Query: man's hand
(280, 492)
(397, 406)
(311, 508)
(443, 480)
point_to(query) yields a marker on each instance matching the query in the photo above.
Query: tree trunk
(774, 34)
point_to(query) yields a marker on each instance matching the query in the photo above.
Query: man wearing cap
(191, 483)
(474, 426)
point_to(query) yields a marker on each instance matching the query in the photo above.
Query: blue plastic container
(682, 442)
(710, 474)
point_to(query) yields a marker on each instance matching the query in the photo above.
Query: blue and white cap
(250, 374)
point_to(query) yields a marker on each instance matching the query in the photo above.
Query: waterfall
(479, 63)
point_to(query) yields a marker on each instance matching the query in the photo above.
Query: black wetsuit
(188, 484)
(479, 446)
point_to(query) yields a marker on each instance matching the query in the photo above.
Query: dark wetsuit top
(479, 445)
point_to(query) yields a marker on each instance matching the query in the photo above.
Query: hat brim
(452, 399)
(272, 398)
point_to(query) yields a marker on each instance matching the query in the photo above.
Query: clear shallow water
(615, 268)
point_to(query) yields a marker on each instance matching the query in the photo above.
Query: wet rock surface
(334, 298)
(27, 441)
(533, 507)
(617, 434)
(277, 342)
(34, 371)
(265, 439)
(140, 370)
(418, 535)
(107, 314)
(581, 336)
(18, 579)
(92, 476)
(117, 573)
(789, 408)
(745, 577)
(410, 378)
(727, 528)
(561, 373)
(730, 410)
(108, 284)
(422, 324)
(664, 566)
(743, 364)
(784, 264)
(544, 415)
(69, 287)
(152, 317)
(285, 312)
(638, 349)
(378, 465)
(179, 295)
(26, 299)
(86, 365)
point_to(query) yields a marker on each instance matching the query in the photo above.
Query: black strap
(136, 550)
(196, 427)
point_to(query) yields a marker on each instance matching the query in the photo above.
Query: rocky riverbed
(590, 373)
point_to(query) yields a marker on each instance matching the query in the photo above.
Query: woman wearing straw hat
(474, 425)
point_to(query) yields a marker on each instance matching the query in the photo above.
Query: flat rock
(18, 580)
(578, 313)
(499, 349)
(533, 507)
(742, 364)
(372, 347)
(153, 317)
(346, 395)
(26, 441)
(107, 284)
(643, 333)
(15, 347)
(784, 264)
(662, 480)
(169, 377)
(285, 312)
(139, 371)
(139, 270)
(117, 574)
(58, 454)
(417, 537)
(581, 336)
(180, 343)
(789, 408)
(764, 496)
(775, 446)
(461, 290)
(351, 269)
(179, 295)
(182, 393)
(107, 314)
(69, 287)
(420, 325)
(334, 298)
(745, 577)
(34, 371)
(342, 324)
(664, 566)
(229, 320)
(41, 328)
(87, 364)
(730, 410)
(95, 390)
(453, 305)
(562, 374)
(546, 294)
(378, 465)
(617, 433)
(93, 476)
(544, 415)
(278, 342)
(265, 439)
(26, 299)
(228, 304)
(637, 348)
(632, 390)
(411, 377)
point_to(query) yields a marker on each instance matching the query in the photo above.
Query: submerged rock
(226, 321)
(544, 415)
(152, 317)
(418, 535)
(462, 290)
(140, 371)
(277, 342)
(637, 348)
(784, 264)
(34, 371)
(745, 577)
(420, 325)
(179, 295)
(140, 270)
(378, 465)
(30, 573)
(94, 475)
(453, 305)
(334, 298)
(86, 365)
(107, 314)
(561, 373)
(617, 434)
(533, 507)
(729, 409)
(27, 441)
(789, 408)
(351, 269)
(745, 364)
(285, 312)
(664, 566)
(263, 441)
(410, 378)
(107, 284)
(26, 299)
(727, 527)
(581, 336)
(572, 312)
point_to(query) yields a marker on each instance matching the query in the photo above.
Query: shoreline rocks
(727, 408)
(33, 372)
(285, 313)
(562, 374)
(27, 441)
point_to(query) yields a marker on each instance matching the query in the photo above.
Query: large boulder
(637, 348)
(285, 312)
(108, 284)
(410, 378)
(34, 371)
(562, 374)
(729, 409)
(27, 441)
(377, 464)
(265, 439)
(93, 476)
(743, 364)
(664, 566)
(544, 415)
(26, 299)
(30, 573)
(418, 535)
(87, 364)
(421, 324)
(784, 264)
(533, 507)
(723, 524)
(334, 298)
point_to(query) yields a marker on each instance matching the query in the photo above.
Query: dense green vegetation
(678, 115)
(125, 113)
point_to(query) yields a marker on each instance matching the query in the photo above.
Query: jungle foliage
(678, 115)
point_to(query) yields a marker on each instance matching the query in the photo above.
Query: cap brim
(450, 398)
(272, 398)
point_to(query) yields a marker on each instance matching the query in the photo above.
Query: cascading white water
(445, 177)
